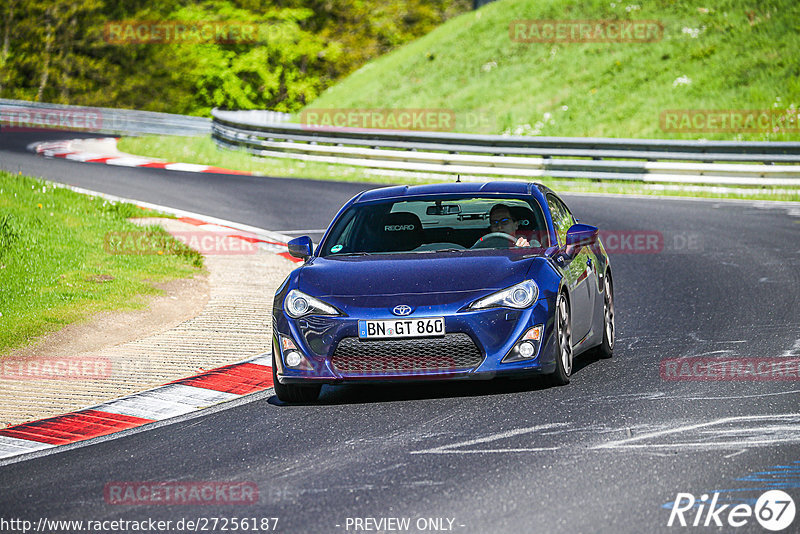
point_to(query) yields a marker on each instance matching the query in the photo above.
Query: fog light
(526, 349)
(527, 346)
(293, 359)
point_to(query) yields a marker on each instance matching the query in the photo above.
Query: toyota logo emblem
(402, 309)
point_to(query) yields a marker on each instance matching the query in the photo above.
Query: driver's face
(501, 221)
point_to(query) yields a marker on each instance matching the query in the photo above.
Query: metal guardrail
(709, 162)
(20, 114)
(256, 116)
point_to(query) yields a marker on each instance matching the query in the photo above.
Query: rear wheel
(563, 319)
(606, 348)
(293, 393)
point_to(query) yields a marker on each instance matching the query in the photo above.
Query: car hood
(416, 274)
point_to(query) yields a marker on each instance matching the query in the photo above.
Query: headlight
(298, 304)
(521, 295)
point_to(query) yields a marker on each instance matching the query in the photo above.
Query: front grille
(453, 352)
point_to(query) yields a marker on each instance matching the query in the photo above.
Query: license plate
(400, 328)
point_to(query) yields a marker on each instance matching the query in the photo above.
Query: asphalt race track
(607, 453)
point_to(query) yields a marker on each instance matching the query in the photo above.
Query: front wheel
(292, 393)
(606, 348)
(560, 376)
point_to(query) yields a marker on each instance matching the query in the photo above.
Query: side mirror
(582, 235)
(301, 247)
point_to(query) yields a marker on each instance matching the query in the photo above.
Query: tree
(56, 51)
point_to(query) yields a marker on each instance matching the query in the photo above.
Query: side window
(562, 218)
(565, 209)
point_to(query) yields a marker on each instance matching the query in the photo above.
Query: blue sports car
(446, 281)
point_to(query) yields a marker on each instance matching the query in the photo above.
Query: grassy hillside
(717, 54)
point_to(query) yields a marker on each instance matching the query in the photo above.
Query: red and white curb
(177, 398)
(108, 154)
(264, 239)
(277, 247)
(183, 396)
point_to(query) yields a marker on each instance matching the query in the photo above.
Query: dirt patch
(183, 300)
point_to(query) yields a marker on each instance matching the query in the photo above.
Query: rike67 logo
(774, 510)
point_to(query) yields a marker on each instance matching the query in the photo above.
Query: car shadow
(584, 360)
(374, 393)
(436, 389)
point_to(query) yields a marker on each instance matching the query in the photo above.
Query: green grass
(202, 150)
(54, 267)
(743, 57)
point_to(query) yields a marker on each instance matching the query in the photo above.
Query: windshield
(438, 224)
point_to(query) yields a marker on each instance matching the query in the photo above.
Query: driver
(500, 220)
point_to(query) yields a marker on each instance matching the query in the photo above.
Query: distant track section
(23, 115)
(646, 160)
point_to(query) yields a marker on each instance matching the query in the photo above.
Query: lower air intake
(453, 352)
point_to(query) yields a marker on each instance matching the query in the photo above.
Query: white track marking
(128, 162)
(709, 353)
(264, 359)
(764, 434)
(14, 446)
(448, 449)
(187, 167)
(486, 451)
(794, 351)
(737, 453)
(166, 401)
(84, 156)
(265, 234)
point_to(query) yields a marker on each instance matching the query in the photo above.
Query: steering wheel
(494, 236)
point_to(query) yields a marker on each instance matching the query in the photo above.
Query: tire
(606, 348)
(564, 354)
(291, 393)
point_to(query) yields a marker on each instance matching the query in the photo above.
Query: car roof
(456, 188)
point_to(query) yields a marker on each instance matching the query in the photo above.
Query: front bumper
(493, 332)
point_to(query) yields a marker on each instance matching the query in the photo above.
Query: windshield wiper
(347, 254)
(436, 250)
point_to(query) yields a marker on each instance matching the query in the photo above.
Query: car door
(578, 271)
